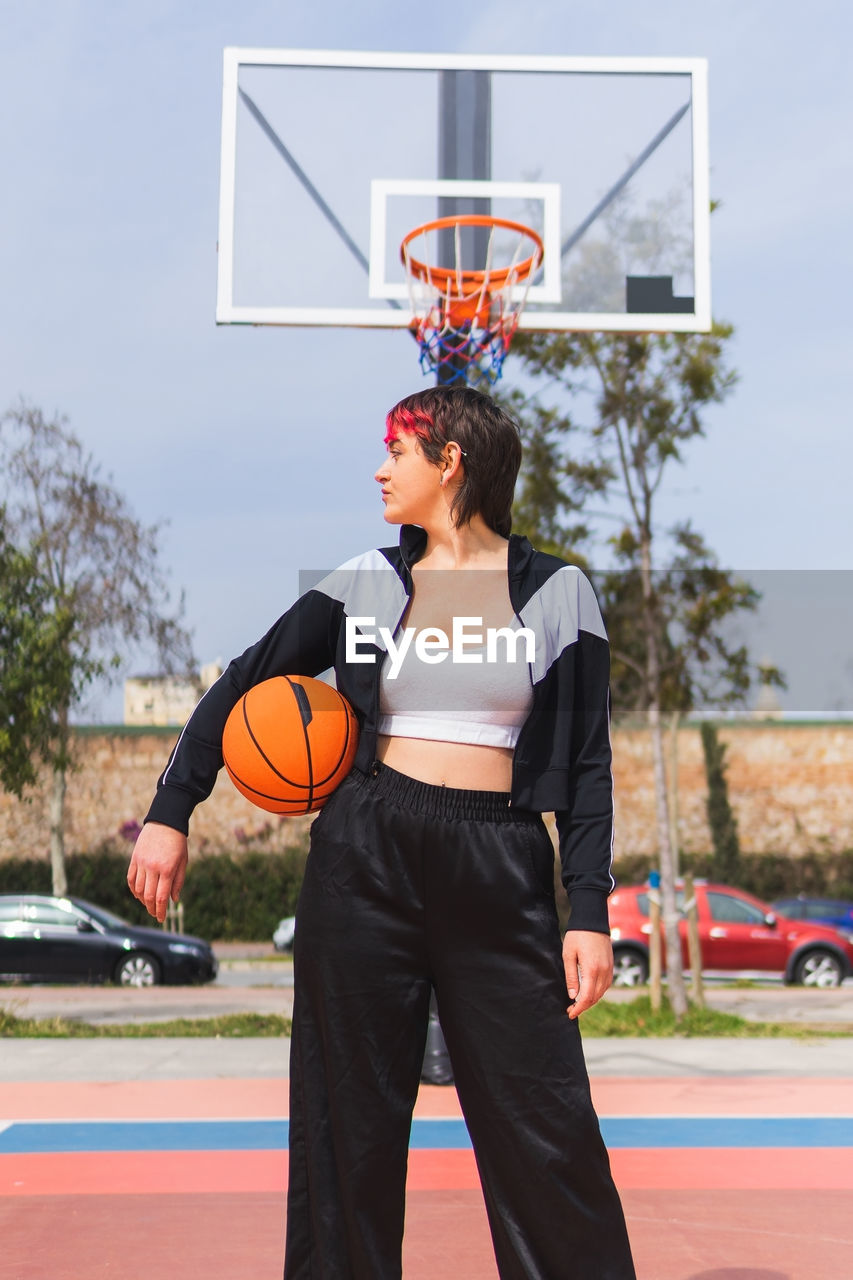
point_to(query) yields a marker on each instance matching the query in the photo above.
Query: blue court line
(646, 1132)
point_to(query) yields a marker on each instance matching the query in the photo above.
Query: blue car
(819, 910)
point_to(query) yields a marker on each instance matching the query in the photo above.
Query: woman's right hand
(158, 867)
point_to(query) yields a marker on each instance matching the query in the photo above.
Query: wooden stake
(694, 947)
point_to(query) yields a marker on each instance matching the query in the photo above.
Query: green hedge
(99, 877)
(767, 875)
(240, 897)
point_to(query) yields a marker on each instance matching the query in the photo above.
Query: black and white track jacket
(562, 761)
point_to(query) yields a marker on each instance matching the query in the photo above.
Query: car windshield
(102, 916)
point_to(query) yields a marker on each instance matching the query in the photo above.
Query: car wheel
(630, 967)
(819, 969)
(138, 970)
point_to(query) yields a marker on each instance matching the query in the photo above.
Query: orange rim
(474, 277)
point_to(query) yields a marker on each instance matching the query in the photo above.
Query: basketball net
(464, 318)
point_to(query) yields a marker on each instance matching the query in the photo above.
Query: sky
(255, 447)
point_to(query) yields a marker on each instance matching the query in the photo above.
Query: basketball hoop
(464, 318)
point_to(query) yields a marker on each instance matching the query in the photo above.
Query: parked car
(737, 933)
(50, 939)
(821, 910)
(283, 937)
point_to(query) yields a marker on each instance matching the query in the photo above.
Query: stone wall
(791, 786)
(110, 789)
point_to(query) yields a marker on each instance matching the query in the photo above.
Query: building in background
(166, 700)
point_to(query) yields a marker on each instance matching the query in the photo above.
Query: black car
(49, 939)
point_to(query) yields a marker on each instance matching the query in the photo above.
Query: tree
(34, 672)
(721, 818)
(645, 395)
(97, 571)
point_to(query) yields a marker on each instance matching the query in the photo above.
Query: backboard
(330, 158)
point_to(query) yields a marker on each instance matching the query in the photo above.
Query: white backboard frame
(227, 312)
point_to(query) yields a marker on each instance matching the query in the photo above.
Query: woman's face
(411, 488)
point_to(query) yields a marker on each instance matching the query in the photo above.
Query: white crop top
(483, 702)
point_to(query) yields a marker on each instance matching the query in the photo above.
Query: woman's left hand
(588, 960)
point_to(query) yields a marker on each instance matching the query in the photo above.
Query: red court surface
(694, 1213)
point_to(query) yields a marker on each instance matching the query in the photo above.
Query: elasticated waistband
(439, 802)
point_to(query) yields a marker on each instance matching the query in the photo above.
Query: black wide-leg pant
(410, 886)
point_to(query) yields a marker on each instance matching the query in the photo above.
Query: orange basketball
(289, 742)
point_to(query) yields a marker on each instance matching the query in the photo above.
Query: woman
(478, 670)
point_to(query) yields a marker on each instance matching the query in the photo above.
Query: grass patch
(637, 1018)
(229, 1025)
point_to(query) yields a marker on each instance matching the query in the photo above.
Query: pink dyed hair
(413, 421)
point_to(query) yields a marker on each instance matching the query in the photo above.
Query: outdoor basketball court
(459, 198)
(741, 1175)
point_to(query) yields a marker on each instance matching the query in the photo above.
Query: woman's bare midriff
(448, 764)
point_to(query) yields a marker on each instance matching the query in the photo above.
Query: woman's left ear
(453, 457)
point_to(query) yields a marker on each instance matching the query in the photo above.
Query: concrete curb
(190, 1058)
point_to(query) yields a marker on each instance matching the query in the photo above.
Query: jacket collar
(413, 543)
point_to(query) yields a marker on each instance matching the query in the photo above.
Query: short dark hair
(488, 438)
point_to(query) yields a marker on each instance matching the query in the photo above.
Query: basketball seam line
(307, 741)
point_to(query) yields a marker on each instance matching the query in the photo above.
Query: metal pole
(464, 151)
(655, 947)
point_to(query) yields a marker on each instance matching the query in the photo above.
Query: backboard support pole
(464, 152)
